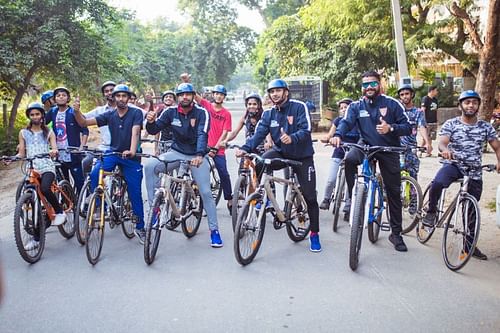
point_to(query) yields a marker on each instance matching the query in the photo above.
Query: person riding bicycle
(338, 153)
(381, 120)
(289, 124)
(67, 131)
(461, 141)
(107, 92)
(124, 124)
(169, 99)
(48, 100)
(36, 139)
(189, 123)
(416, 118)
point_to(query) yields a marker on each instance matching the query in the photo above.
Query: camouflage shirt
(466, 143)
(416, 119)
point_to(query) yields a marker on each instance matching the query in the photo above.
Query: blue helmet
(184, 88)
(220, 89)
(277, 83)
(47, 95)
(107, 83)
(253, 95)
(66, 90)
(37, 106)
(469, 94)
(122, 88)
(168, 92)
(407, 87)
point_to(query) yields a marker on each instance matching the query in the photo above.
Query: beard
(121, 105)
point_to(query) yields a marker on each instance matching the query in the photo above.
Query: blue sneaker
(215, 237)
(315, 244)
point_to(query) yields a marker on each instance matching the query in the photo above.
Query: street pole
(400, 46)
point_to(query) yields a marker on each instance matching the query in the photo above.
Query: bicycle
(215, 183)
(251, 224)
(177, 199)
(114, 196)
(33, 213)
(367, 213)
(461, 222)
(244, 186)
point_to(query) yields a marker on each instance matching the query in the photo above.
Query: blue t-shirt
(120, 127)
(351, 137)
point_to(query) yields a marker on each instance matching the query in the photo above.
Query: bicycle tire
(194, 206)
(411, 199)
(95, 229)
(374, 226)
(153, 228)
(358, 215)
(129, 220)
(338, 197)
(20, 188)
(423, 232)
(464, 238)
(215, 184)
(67, 229)
(239, 196)
(33, 228)
(296, 211)
(248, 230)
(81, 213)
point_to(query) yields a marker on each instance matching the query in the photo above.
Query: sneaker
(325, 204)
(141, 235)
(31, 245)
(398, 243)
(59, 219)
(479, 255)
(315, 245)
(215, 238)
(429, 220)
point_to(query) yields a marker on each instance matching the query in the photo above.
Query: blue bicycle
(367, 213)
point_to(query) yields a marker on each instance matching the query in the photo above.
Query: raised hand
(383, 127)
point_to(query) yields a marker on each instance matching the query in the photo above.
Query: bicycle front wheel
(239, 196)
(338, 198)
(424, 233)
(29, 228)
(95, 228)
(194, 208)
(249, 229)
(411, 199)
(81, 213)
(297, 219)
(215, 183)
(68, 204)
(461, 233)
(153, 228)
(358, 215)
(375, 214)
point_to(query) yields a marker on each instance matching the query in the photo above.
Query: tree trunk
(489, 62)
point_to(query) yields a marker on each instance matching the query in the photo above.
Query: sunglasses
(372, 84)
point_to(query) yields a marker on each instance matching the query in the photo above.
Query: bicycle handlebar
(373, 149)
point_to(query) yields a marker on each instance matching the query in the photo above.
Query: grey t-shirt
(466, 142)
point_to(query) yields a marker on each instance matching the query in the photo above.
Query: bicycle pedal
(385, 226)
(277, 224)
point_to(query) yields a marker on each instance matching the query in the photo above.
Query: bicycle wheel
(424, 233)
(194, 211)
(29, 228)
(20, 188)
(239, 195)
(249, 230)
(338, 197)
(95, 228)
(128, 218)
(153, 228)
(215, 183)
(376, 202)
(172, 223)
(461, 233)
(411, 199)
(358, 214)
(81, 212)
(68, 204)
(297, 219)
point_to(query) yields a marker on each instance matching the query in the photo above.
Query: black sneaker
(479, 255)
(141, 235)
(429, 220)
(398, 243)
(325, 204)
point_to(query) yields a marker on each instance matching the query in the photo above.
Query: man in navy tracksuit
(381, 121)
(289, 123)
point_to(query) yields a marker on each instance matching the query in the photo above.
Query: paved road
(194, 288)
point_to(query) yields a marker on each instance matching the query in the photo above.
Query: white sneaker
(31, 245)
(59, 219)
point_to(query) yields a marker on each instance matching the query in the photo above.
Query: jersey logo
(274, 123)
(176, 122)
(363, 114)
(193, 122)
(383, 111)
(290, 120)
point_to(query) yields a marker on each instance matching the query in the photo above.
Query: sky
(147, 10)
